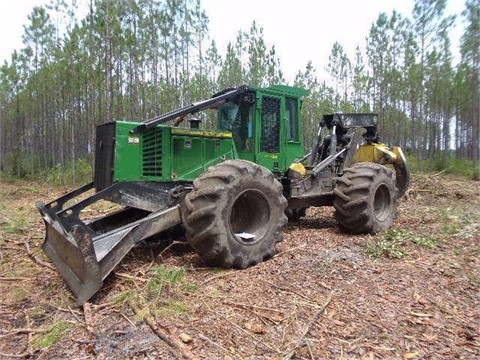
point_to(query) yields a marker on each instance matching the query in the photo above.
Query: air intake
(152, 152)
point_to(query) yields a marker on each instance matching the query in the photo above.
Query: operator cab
(266, 125)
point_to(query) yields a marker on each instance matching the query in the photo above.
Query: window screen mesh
(270, 125)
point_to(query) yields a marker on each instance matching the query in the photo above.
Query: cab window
(238, 118)
(291, 115)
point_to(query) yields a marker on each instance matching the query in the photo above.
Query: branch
(176, 347)
(35, 258)
(315, 317)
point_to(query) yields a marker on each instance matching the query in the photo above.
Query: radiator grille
(152, 155)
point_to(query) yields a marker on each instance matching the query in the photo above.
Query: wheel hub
(249, 216)
(382, 202)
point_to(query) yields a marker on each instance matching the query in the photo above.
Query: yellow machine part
(379, 153)
(382, 154)
(298, 168)
(376, 153)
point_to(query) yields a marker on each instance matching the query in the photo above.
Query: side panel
(186, 155)
(191, 156)
(128, 153)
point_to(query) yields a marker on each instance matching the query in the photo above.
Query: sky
(301, 30)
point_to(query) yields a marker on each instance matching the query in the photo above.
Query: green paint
(270, 135)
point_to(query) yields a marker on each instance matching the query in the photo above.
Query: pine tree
(470, 49)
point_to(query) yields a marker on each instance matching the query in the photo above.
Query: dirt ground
(412, 292)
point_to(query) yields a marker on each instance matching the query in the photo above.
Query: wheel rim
(250, 215)
(382, 202)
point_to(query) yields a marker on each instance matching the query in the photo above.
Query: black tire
(365, 198)
(235, 196)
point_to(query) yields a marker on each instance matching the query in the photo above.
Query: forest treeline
(135, 59)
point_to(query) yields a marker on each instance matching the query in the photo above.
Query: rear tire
(365, 198)
(234, 215)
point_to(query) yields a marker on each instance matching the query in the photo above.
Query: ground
(412, 292)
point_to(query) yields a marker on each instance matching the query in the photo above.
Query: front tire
(365, 198)
(234, 215)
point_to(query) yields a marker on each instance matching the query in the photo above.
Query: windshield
(227, 114)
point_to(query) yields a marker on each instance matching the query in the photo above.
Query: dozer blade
(85, 257)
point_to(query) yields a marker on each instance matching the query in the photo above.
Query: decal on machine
(133, 140)
(271, 156)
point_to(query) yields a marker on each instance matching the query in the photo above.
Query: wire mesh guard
(270, 125)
